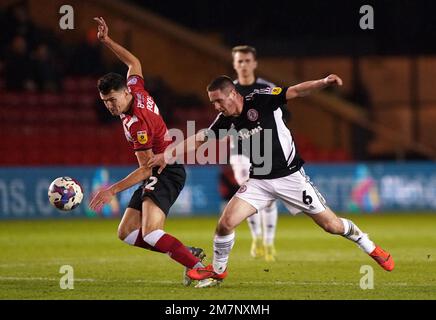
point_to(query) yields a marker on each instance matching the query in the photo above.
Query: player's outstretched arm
(122, 53)
(142, 173)
(177, 151)
(105, 196)
(308, 87)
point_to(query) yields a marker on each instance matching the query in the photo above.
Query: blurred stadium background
(370, 145)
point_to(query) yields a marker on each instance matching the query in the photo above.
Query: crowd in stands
(27, 55)
(34, 60)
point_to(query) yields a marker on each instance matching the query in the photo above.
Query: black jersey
(245, 90)
(260, 122)
(259, 84)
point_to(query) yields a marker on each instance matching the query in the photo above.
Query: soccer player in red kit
(143, 221)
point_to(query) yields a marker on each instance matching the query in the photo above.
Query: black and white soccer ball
(65, 193)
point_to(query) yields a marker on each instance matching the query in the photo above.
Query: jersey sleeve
(135, 84)
(271, 98)
(141, 136)
(221, 122)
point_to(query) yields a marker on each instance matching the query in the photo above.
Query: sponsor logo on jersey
(252, 115)
(275, 91)
(132, 81)
(246, 134)
(142, 137)
(242, 189)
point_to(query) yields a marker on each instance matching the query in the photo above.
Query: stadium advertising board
(347, 188)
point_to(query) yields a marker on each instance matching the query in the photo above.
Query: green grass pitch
(311, 263)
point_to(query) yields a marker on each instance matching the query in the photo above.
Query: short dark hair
(221, 83)
(111, 81)
(245, 49)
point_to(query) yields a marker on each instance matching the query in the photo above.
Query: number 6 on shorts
(306, 198)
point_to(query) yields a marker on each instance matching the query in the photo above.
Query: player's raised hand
(100, 199)
(333, 79)
(103, 29)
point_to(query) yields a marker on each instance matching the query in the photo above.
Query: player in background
(143, 221)
(263, 224)
(259, 115)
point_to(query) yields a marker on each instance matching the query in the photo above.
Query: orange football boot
(383, 258)
(205, 273)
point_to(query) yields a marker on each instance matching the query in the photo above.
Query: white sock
(269, 223)
(255, 225)
(222, 245)
(153, 237)
(131, 238)
(353, 233)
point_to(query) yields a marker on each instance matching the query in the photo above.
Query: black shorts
(162, 188)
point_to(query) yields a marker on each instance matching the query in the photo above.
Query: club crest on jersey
(252, 115)
(142, 137)
(275, 91)
(242, 189)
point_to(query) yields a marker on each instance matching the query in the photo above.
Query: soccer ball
(65, 193)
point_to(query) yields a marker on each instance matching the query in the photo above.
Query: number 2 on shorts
(150, 185)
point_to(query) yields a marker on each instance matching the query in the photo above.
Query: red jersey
(143, 126)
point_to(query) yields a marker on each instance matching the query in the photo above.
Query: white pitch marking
(280, 283)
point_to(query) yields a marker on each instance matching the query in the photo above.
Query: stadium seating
(64, 128)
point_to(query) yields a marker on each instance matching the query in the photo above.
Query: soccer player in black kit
(257, 117)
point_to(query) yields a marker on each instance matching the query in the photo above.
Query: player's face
(224, 101)
(244, 64)
(116, 101)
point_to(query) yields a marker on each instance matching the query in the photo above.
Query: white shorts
(241, 167)
(296, 191)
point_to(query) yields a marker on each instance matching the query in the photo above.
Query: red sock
(139, 242)
(176, 250)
